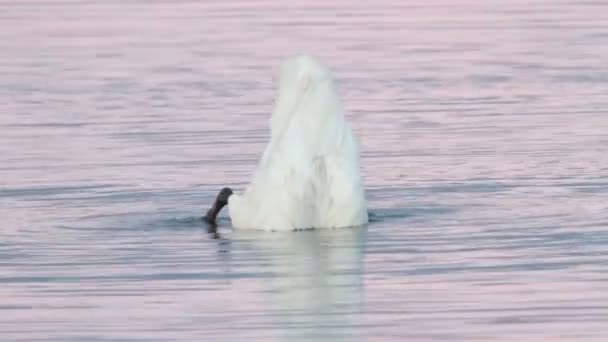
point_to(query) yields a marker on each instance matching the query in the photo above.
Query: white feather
(309, 174)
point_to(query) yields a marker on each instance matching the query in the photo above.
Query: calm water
(484, 129)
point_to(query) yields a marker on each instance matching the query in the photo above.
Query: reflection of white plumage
(316, 283)
(309, 174)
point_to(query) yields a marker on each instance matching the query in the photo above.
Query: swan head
(220, 201)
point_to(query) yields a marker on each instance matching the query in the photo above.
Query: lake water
(484, 133)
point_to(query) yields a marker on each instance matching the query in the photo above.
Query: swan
(309, 173)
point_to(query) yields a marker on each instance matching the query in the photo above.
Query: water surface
(484, 133)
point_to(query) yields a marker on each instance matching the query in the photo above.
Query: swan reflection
(316, 292)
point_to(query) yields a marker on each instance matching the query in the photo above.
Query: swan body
(309, 174)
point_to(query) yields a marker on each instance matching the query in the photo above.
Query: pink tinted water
(484, 130)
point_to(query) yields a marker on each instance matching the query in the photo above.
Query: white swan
(309, 175)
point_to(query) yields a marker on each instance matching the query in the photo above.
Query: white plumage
(309, 174)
